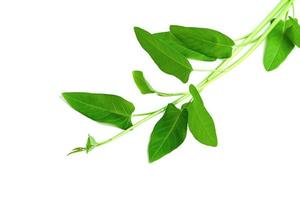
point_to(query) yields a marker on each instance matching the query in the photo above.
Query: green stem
(207, 70)
(132, 127)
(162, 94)
(245, 44)
(279, 11)
(260, 40)
(253, 48)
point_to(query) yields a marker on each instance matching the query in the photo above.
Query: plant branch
(227, 65)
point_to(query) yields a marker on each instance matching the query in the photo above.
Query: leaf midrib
(279, 46)
(206, 130)
(199, 39)
(99, 108)
(167, 136)
(153, 40)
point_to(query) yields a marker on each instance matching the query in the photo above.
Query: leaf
(106, 108)
(90, 144)
(168, 134)
(205, 41)
(167, 59)
(200, 122)
(142, 83)
(293, 32)
(176, 44)
(290, 22)
(277, 47)
(76, 150)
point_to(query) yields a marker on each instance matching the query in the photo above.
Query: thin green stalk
(256, 45)
(250, 42)
(251, 50)
(132, 127)
(279, 10)
(206, 70)
(162, 94)
(242, 38)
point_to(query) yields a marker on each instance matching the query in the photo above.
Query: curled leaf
(76, 150)
(142, 84)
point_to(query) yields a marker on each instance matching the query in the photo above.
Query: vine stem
(279, 11)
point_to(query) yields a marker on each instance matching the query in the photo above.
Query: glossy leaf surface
(293, 33)
(277, 47)
(176, 44)
(167, 59)
(205, 41)
(168, 134)
(200, 122)
(106, 108)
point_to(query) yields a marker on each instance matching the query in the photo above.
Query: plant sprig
(171, 52)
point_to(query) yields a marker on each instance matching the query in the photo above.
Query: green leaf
(290, 22)
(76, 150)
(200, 122)
(167, 59)
(90, 144)
(205, 41)
(106, 108)
(293, 32)
(277, 47)
(176, 44)
(142, 83)
(168, 134)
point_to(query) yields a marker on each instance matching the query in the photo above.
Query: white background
(47, 47)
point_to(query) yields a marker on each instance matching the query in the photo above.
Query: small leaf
(205, 41)
(106, 108)
(293, 32)
(176, 44)
(76, 150)
(200, 122)
(277, 47)
(167, 59)
(168, 134)
(142, 83)
(90, 144)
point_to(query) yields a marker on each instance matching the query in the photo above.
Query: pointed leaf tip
(90, 144)
(200, 122)
(105, 108)
(277, 47)
(168, 133)
(166, 58)
(206, 41)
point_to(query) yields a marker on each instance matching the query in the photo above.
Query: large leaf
(168, 134)
(200, 122)
(167, 59)
(277, 47)
(293, 32)
(176, 44)
(106, 108)
(205, 41)
(142, 83)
